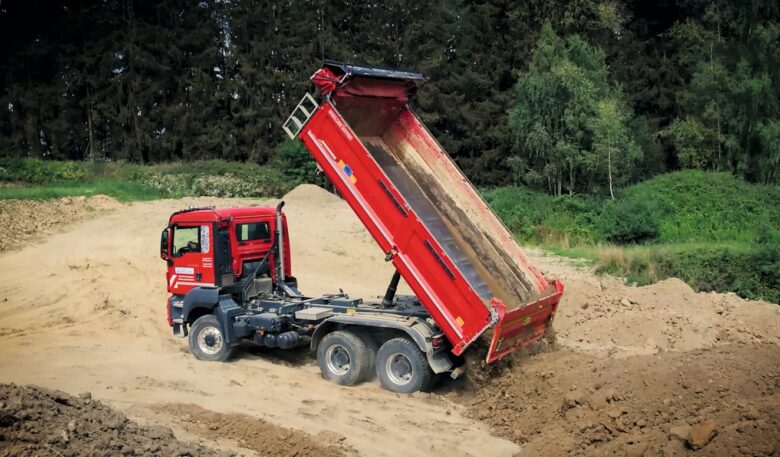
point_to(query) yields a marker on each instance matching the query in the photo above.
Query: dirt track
(84, 310)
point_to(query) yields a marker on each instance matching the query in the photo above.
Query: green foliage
(628, 221)
(694, 206)
(570, 125)
(218, 179)
(32, 178)
(172, 80)
(731, 105)
(751, 271)
(124, 191)
(712, 230)
(294, 161)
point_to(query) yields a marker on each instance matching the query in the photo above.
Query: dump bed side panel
(397, 226)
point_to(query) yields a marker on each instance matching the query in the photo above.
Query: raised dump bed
(459, 259)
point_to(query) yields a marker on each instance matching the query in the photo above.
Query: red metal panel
(522, 326)
(436, 281)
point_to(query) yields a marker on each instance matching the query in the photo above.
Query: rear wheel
(402, 367)
(344, 358)
(207, 340)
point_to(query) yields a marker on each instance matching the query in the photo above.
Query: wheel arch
(418, 331)
(198, 302)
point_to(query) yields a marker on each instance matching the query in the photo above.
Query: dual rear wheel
(347, 358)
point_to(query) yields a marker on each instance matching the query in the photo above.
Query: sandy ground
(85, 310)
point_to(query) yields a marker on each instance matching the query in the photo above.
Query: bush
(295, 163)
(630, 221)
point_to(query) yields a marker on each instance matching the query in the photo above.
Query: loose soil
(33, 220)
(253, 433)
(35, 421)
(631, 371)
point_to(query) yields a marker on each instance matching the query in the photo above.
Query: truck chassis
(394, 338)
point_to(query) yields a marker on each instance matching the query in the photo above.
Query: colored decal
(459, 321)
(347, 171)
(185, 271)
(526, 320)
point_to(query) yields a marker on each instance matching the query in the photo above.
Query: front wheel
(402, 367)
(207, 340)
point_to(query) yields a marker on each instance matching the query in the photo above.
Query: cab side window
(185, 239)
(253, 231)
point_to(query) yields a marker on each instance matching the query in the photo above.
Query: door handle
(198, 276)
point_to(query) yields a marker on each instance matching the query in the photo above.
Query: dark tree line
(676, 83)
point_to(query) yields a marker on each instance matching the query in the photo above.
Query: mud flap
(522, 326)
(439, 362)
(180, 330)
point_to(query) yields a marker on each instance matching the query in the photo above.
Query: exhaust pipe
(279, 254)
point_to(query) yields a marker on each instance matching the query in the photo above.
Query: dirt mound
(252, 433)
(604, 316)
(310, 195)
(723, 401)
(36, 421)
(34, 219)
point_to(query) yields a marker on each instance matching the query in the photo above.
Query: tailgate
(522, 326)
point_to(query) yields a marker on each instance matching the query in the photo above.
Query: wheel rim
(210, 340)
(399, 369)
(337, 359)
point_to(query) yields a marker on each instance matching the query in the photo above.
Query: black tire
(207, 340)
(366, 335)
(402, 367)
(344, 358)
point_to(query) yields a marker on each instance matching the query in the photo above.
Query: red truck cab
(216, 247)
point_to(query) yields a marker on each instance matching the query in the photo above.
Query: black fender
(226, 312)
(199, 297)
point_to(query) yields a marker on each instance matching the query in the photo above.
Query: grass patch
(750, 270)
(37, 179)
(124, 191)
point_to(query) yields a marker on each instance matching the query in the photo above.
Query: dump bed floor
(488, 268)
(422, 206)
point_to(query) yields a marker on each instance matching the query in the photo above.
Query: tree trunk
(609, 170)
(91, 145)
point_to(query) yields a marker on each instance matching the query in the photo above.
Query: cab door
(192, 257)
(253, 238)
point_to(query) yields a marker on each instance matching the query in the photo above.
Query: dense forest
(578, 96)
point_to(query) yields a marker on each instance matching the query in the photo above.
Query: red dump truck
(467, 273)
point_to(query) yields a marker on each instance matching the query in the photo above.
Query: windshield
(185, 239)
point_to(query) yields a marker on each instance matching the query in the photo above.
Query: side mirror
(165, 244)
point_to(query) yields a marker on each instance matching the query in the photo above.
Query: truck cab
(217, 247)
